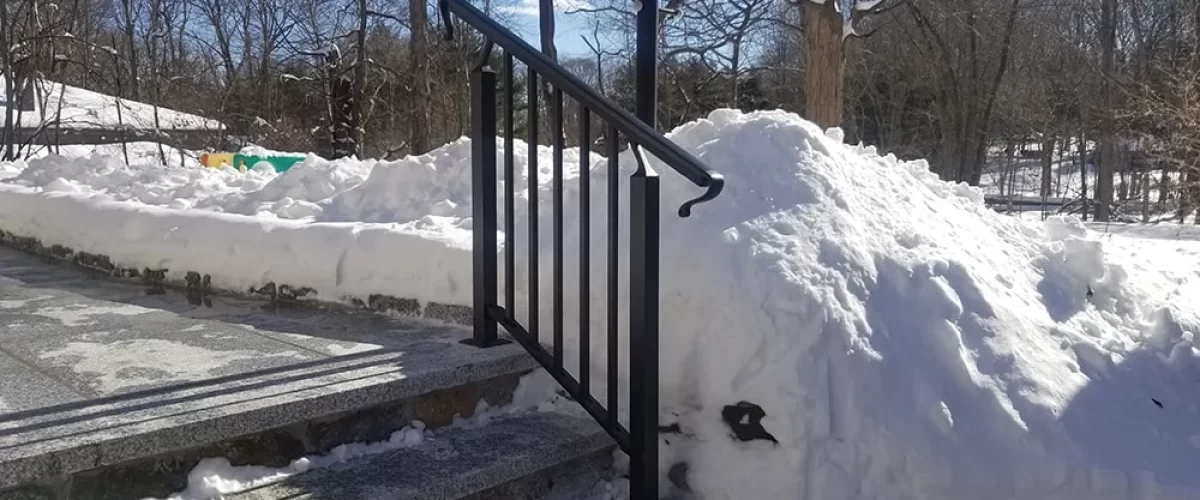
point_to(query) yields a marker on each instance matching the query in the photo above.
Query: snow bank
(142, 155)
(903, 341)
(906, 342)
(317, 190)
(75, 107)
(427, 259)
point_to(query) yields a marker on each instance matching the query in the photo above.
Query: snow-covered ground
(1021, 178)
(74, 107)
(904, 341)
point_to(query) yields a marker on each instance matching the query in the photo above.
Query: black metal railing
(640, 439)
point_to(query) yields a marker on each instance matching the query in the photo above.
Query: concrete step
(516, 457)
(144, 446)
(107, 392)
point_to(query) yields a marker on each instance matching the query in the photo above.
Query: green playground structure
(246, 162)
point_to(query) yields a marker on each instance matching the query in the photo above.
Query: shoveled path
(95, 371)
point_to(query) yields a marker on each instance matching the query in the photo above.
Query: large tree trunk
(1108, 150)
(418, 12)
(342, 107)
(1047, 165)
(824, 64)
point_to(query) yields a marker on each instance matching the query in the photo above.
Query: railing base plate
(485, 344)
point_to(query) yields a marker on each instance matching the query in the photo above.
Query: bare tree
(6, 39)
(827, 26)
(951, 39)
(418, 13)
(1108, 151)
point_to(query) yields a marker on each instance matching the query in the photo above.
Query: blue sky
(568, 29)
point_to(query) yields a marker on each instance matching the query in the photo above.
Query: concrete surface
(95, 372)
(490, 462)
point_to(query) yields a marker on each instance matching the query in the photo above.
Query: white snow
(214, 477)
(904, 341)
(73, 107)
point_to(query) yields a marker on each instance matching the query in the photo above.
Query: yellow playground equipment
(245, 162)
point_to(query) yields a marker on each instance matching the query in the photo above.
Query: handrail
(638, 131)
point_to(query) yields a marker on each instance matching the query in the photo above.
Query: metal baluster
(614, 237)
(557, 207)
(510, 220)
(532, 93)
(585, 254)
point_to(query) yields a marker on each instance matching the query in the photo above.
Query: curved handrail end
(716, 184)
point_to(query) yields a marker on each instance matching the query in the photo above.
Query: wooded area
(1115, 83)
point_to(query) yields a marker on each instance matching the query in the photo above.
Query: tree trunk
(1191, 190)
(340, 91)
(10, 133)
(1122, 168)
(1083, 173)
(546, 28)
(546, 36)
(418, 12)
(1047, 165)
(1108, 150)
(824, 64)
(1146, 195)
(131, 42)
(1164, 182)
(358, 90)
(156, 60)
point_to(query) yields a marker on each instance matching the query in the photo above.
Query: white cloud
(530, 7)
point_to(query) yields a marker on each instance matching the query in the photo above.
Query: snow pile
(906, 342)
(142, 155)
(439, 184)
(317, 190)
(902, 341)
(144, 182)
(295, 194)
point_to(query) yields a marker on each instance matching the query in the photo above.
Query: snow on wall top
(903, 341)
(81, 108)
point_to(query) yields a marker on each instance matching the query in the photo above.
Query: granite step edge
(46, 450)
(513, 457)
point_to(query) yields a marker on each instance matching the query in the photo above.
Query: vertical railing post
(483, 205)
(643, 273)
(646, 64)
(643, 332)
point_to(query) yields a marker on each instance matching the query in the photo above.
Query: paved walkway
(68, 336)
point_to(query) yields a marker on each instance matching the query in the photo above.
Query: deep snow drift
(904, 341)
